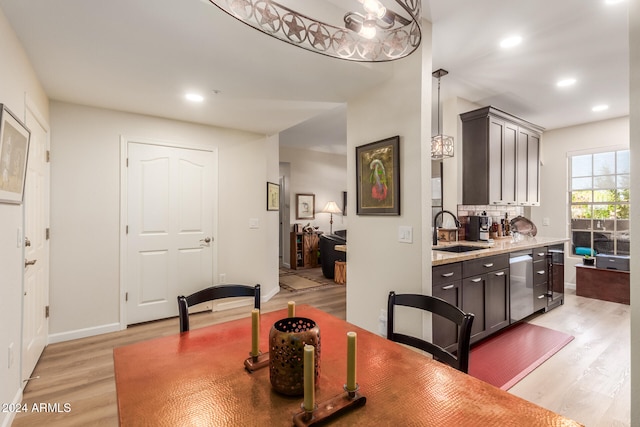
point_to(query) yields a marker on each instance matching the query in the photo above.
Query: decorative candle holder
(253, 363)
(287, 339)
(330, 408)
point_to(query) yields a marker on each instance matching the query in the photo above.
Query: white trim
(10, 416)
(597, 150)
(83, 333)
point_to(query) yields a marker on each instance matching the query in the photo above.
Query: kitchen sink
(458, 248)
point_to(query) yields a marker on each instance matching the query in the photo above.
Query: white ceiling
(142, 56)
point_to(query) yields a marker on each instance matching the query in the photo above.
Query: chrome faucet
(435, 230)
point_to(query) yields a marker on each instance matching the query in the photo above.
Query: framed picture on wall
(305, 206)
(273, 196)
(14, 149)
(378, 177)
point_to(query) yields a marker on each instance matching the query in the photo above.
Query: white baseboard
(84, 333)
(10, 415)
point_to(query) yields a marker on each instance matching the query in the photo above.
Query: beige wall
(634, 43)
(18, 85)
(376, 261)
(85, 288)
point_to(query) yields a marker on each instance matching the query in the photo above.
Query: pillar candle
(351, 360)
(255, 332)
(292, 309)
(309, 378)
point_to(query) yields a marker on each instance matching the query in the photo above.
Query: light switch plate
(545, 221)
(254, 223)
(405, 234)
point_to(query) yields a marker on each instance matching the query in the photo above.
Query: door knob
(205, 241)
(27, 242)
(28, 263)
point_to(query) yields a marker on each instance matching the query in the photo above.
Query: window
(599, 194)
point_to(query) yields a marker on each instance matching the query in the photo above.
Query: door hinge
(126, 229)
(126, 296)
(127, 162)
(47, 156)
(46, 312)
(47, 233)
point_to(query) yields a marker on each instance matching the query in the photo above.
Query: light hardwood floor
(588, 380)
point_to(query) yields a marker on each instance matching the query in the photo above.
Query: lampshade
(332, 208)
(441, 145)
(376, 31)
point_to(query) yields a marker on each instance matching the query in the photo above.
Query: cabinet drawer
(540, 254)
(540, 273)
(446, 273)
(484, 265)
(539, 296)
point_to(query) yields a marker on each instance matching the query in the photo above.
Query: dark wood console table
(598, 283)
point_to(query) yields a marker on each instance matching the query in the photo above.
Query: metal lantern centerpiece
(374, 31)
(287, 339)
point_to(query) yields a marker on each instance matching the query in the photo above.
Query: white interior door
(170, 193)
(36, 273)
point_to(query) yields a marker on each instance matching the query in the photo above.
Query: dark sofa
(328, 255)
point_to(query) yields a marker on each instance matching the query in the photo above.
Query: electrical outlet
(546, 221)
(382, 322)
(254, 223)
(223, 277)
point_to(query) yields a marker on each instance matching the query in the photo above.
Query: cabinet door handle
(540, 253)
(476, 280)
(446, 288)
(541, 296)
(447, 274)
(541, 271)
(489, 265)
(500, 273)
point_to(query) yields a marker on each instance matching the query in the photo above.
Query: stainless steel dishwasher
(521, 284)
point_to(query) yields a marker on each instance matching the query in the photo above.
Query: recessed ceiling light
(511, 41)
(194, 97)
(600, 108)
(613, 1)
(566, 82)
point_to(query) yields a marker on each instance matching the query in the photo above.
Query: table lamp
(331, 208)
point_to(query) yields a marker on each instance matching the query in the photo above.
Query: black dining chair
(214, 293)
(438, 306)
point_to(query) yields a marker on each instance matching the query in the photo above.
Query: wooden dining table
(198, 378)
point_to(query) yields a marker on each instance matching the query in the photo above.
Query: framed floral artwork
(378, 177)
(14, 149)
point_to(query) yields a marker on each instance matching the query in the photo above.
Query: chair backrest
(213, 293)
(442, 308)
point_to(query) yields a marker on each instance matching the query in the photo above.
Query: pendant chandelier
(441, 145)
(375, 31)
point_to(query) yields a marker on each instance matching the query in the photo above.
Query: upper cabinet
(500, 158)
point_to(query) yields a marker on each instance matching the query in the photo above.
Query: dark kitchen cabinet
(540, 278)
(485, 293)
(446, 285)
(500, 157)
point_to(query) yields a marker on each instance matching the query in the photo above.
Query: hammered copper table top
(198, 379)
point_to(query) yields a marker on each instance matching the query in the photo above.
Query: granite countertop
(498, 246)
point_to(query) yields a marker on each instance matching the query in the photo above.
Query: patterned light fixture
(378, 31)
(441, 145)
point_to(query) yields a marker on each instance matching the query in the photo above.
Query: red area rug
(509, 356)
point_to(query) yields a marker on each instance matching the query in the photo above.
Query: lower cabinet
(478, 286)
(446, 284)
